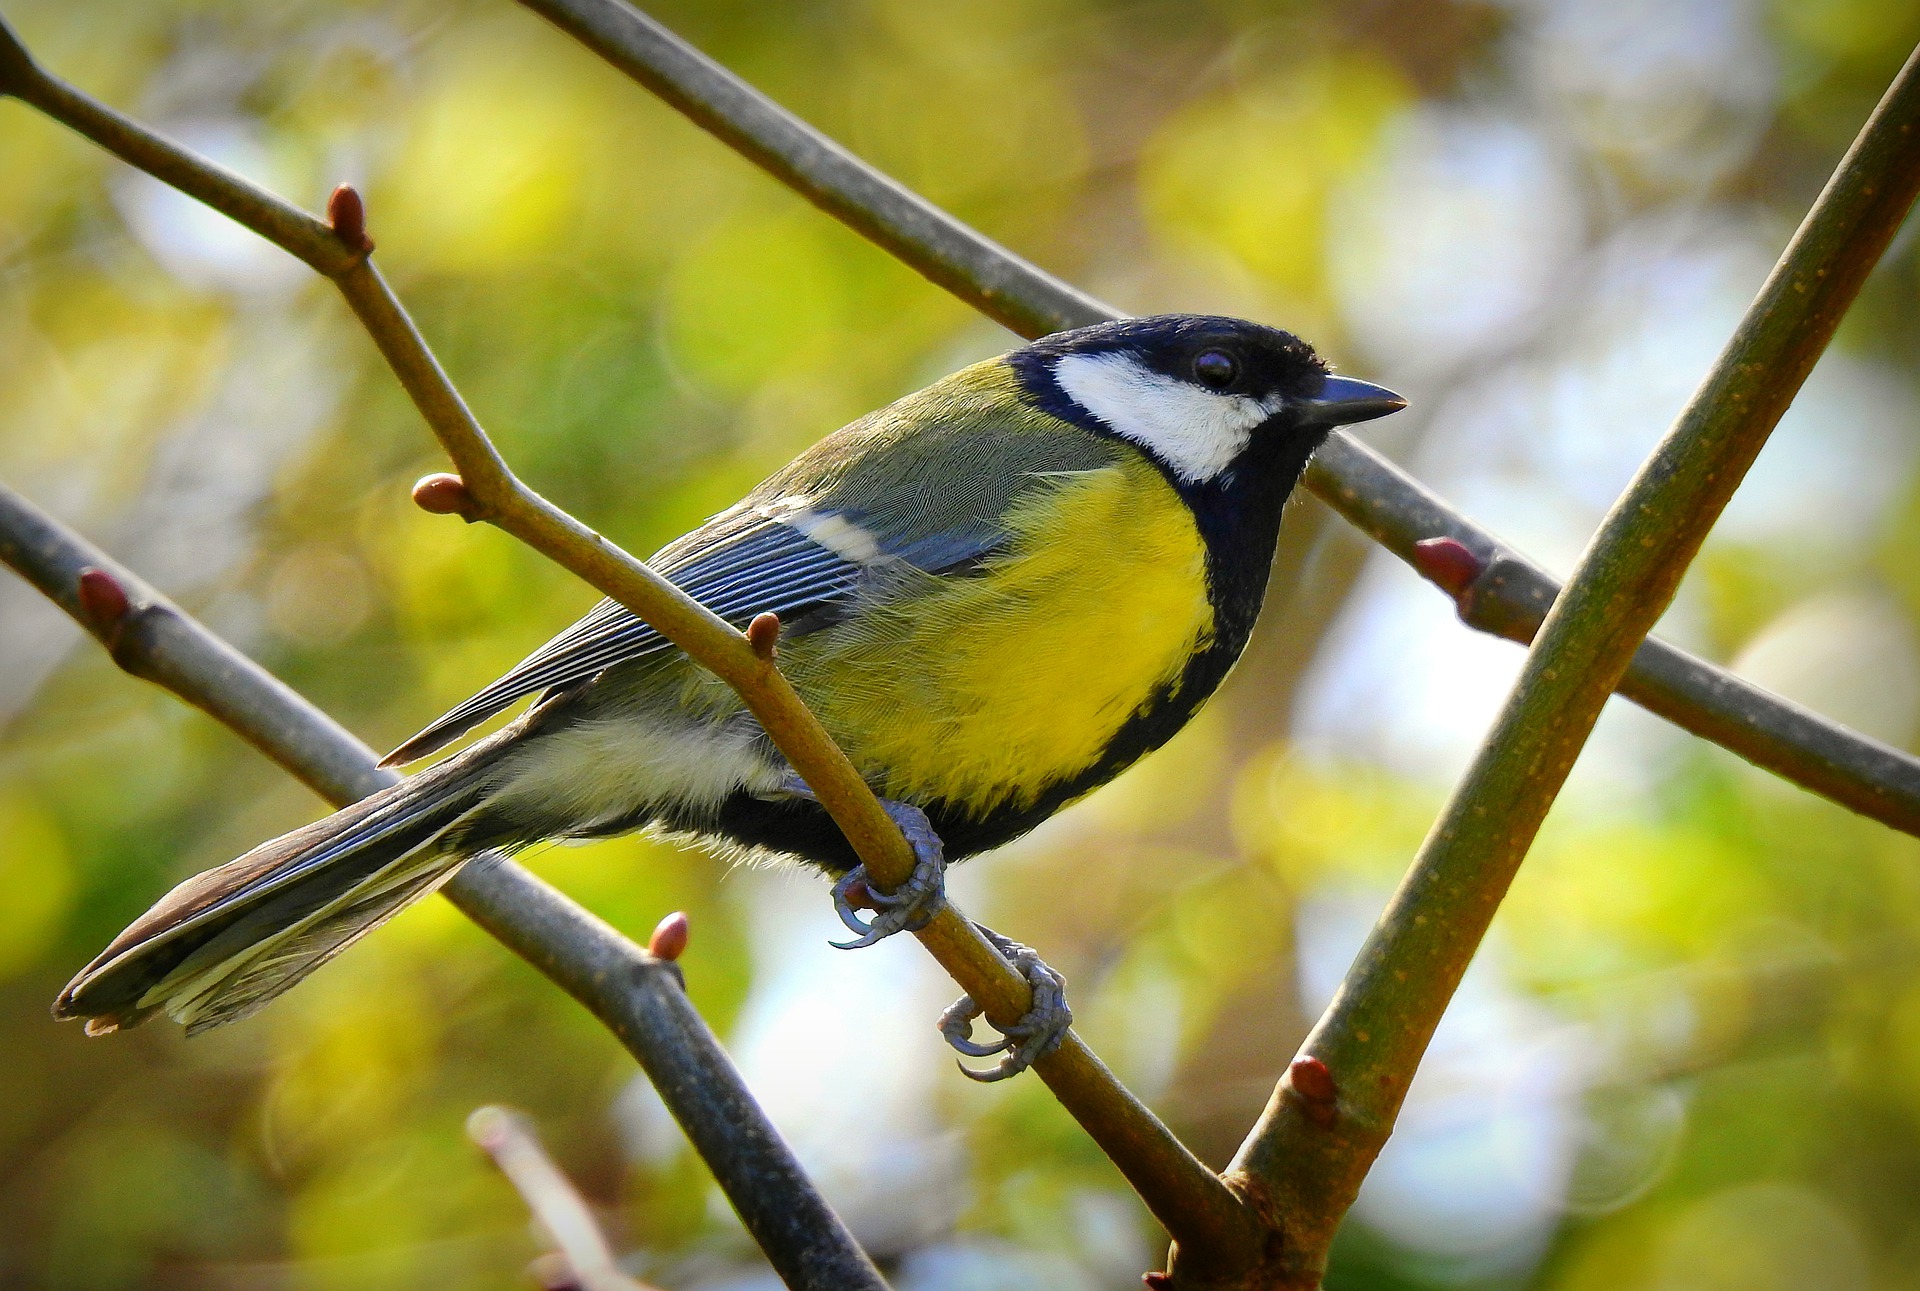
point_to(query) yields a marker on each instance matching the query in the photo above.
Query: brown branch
(980, 271)
(233, 195)
(586, 1259)
(1304, 1166)
(1182, 1193)
(639, 996)
(1373, 494)
(1501, 592)
(1186, 1197)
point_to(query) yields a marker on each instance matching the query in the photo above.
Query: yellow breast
(984, 689)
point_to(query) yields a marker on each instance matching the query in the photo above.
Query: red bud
(763, 634)
(348, 215)
(445, 495)
(552, 1272)
(669, 938)
(1312, 1081)
(102, 599)
(1447, 562)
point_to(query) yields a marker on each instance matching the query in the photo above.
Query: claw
(1038, 1032)
(912, 905)
(956, 1024)
(843, 907)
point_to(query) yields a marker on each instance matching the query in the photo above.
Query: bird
(996, 593)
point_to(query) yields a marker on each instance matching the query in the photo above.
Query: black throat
(1239, 518)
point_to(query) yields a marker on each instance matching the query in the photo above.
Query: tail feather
(234, 988)
(225, 942)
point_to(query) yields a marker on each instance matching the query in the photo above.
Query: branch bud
(1314, 1084)
(445, 495)
(763, 634)
(860, 896)
(669, 940)
(104, 602)
(1448, 563)
(348, 215)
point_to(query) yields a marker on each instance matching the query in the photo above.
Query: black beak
(1343, 401)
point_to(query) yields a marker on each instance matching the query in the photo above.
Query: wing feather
(770, 566)
(928, 480)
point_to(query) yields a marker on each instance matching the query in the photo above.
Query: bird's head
(1199, 394)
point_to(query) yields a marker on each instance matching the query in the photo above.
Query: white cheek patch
(1196, 432)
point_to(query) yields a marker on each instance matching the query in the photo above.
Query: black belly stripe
(802, 828)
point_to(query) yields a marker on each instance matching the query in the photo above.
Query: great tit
(997, 593)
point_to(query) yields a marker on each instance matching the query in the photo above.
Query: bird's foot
(1038, 1032)
(909, 907)
(912, 905)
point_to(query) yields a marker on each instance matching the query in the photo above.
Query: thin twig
(1181, 1192)
(1504, 594)
(1001, 285)
(507, 1138)
(233, 195)
(1373, 494)
(638, 996)
(1318, 1137)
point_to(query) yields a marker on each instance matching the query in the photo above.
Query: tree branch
(1181, 1192)
(1329, 1118)
(1498, 591)
(639, 996)
(233, 195)
(1001, 285)
(589, 1262)
(1372, 493)
(1502, 593)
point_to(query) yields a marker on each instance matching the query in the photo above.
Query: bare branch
(803, 1238)
(550, 1195)
(1372, 493)
(1301, 1166)
(1182, 1193)
(980, 271)
(1503, 593)
(151, 638)
(638, 996)
(233, 195)
(1205, 1218)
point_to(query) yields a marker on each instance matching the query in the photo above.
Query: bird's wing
(923, 487)
(790, 564)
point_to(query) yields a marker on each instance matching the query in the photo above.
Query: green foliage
(648, 327)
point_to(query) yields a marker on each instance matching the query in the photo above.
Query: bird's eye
(1215, 369)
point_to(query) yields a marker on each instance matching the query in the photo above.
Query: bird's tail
(225, 942)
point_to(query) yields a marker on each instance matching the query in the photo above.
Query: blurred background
(1688, 1058)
